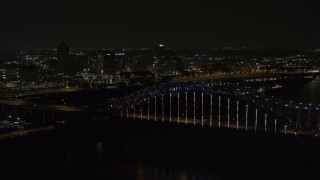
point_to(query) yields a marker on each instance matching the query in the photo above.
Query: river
(305, 93)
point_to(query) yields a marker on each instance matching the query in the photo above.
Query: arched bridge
(220, 104)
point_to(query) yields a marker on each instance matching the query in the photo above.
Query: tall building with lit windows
(109, 64)
(99, 62)
(105, 63)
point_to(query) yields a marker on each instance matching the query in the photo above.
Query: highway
(24, 132)
(14, 94)
(238, 75)
(45, 107)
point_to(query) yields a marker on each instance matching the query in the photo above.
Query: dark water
(305, 93)
(143, 152)
(53, 156)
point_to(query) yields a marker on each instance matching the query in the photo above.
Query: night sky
(41, 24)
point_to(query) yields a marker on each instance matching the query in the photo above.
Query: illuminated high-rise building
(99, 62)
(105, 63)
(109, 63)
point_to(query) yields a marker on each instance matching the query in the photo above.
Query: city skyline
(142, 89)
(204, 24)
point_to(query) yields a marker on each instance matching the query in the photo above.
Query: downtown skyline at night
(172, 90)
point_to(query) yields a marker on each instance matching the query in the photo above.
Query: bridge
(45, 112)
(214, 103)
(221, 104)
(219, 76)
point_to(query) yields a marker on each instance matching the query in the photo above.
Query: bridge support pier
(155, 108)
(318, 121)
(219, 111)
(265, 122)
(162, 108)
(186, 108)
(228, 113)
(170, 108)
(148, 109)
(140, 111)
(298, 120)
(308, 120)
(256, 122)
(246, 117)
(127, 112)
(275, 126)
(210, 110)
(194, 108)
(202, 109)
(237, 115)
(178, 107)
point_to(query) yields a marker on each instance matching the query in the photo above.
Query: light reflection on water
(99, 148)
(309, 93)
(140, 170)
